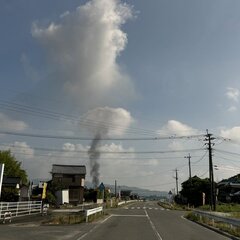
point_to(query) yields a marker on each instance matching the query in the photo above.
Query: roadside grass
(223, 207)
(66, 219)
(235, 231)
(174, 206)
(232, 209)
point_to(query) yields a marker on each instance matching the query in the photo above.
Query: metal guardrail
(231, 221)
(9, 210)
(92, 211)
(125, 202)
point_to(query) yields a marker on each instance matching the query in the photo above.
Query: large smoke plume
(81, 48)
(94, 155)
(105, 122)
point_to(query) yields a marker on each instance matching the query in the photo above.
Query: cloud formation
(174, 127)
(233, 94)
(232, 109)
(232, 133)
(82, 50)
(8, 124)
(107, 121)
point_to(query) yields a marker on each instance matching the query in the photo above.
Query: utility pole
(189, 166)
(176, 180)
(115, 188)
(208, 140)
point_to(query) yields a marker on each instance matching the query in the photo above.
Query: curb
(215, 230)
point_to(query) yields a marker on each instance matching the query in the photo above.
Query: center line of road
(153, 226)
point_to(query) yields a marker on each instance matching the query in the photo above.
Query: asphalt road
(138, 221)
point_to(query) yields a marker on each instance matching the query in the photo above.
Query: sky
(133, 75)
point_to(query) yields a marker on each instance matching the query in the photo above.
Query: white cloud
(82, 50)
(232, 94)
(30, 71)
(20, 149)
(8, 124)
(69, 147)
(232, 133)
(232, 109)
(107, 121)
(174, 127)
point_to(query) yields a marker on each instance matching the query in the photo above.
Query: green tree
(193, 188)
(12, 167)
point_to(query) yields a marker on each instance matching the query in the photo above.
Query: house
(14, 190)
(229, 189)
(71, 177)
(11, 188)
(125, 194)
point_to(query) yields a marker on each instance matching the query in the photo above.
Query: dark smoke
(94, 155)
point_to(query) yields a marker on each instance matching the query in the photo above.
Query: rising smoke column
(94, 155)
(103, 122)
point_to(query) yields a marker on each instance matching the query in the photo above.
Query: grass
(66, 219)
(219, 225)
(223, 207)
(173, 206)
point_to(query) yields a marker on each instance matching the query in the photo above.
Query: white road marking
(153, 226)
(91, 230)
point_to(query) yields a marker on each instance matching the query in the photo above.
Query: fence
(232, 222)
(92, 211)
(10, 210)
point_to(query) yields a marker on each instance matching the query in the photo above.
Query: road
(138, 221)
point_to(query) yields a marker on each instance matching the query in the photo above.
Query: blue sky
(144, 68)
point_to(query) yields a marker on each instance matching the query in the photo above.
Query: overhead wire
(115, 152)
(71, 118)
(64, 137)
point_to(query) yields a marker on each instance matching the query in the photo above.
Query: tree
(12, 167)
(193, 188)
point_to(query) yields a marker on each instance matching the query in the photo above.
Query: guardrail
(92, 211)
(9, 210)
(231, 221)
(124, 202)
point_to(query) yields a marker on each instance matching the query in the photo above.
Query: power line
(90, 138)
(70, 118)
(159, 184)
(110, 152)
(223, 151)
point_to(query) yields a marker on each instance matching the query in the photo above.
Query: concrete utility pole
(189, 166)
(176, 180)
(208, 140)
(115, 188)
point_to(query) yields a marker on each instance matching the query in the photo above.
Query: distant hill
(139, 191)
